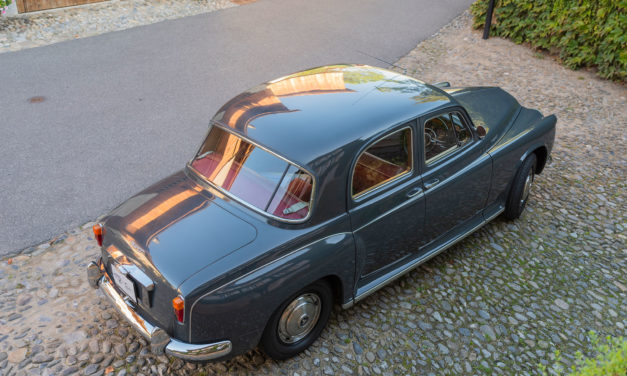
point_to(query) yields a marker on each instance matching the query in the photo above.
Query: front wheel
(521, 187)
(298, 321)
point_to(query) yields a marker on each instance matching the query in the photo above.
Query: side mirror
(442, 84)
(481, 131)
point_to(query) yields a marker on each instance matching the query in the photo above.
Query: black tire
(275, 346)
(516, 202)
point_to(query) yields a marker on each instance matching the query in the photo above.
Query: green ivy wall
(583, 33)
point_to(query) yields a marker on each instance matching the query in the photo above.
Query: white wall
(12, 9)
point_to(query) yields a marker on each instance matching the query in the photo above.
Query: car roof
(309, 115)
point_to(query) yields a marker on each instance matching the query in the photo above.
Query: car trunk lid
(175, 228)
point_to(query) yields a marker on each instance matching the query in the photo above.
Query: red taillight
(98, 232)
(179, 308)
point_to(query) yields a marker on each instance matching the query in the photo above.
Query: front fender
(240, 309)
(530, 133)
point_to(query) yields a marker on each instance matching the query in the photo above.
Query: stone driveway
(500, 302)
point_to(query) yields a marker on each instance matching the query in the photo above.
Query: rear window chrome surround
(243, 202)
(360, 196)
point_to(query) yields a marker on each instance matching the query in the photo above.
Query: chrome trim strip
(408, 267)
(434, 160)
(496, 214)
(375, 188)
(239, 200)
(194, 352)
(157, 336)
(191, 310)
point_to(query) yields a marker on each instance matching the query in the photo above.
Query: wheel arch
(334, 282)
(539, 150)
(337, 287)
(541, 156)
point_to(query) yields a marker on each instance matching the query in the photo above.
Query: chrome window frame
(241, 201)
(452, 150)
(465, 122)
(411, 154)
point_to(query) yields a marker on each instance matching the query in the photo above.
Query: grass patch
(610, 359)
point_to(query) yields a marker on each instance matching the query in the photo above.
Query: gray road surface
(127, 108)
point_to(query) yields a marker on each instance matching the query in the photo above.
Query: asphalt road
(127, 108)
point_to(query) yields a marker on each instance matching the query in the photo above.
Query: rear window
(254, 175)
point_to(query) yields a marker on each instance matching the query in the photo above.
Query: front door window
(444, 134)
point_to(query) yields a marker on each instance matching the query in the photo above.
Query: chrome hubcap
(527, 189)
(299, 318)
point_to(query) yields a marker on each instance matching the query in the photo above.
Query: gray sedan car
(310, 190)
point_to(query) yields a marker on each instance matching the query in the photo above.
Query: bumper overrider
(160, 341)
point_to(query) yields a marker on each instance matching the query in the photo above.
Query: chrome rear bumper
(160, 341)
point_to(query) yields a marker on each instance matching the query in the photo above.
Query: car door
(456, 173)
(386, 202)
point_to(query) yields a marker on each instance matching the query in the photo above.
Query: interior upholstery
(299, 190)
(371, 171)
(207, 164)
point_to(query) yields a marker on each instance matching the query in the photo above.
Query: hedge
(584, 33)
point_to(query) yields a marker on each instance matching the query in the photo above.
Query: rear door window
(384, 161)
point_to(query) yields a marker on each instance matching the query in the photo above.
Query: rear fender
(240, 309)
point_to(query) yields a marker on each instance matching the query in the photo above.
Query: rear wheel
(298, 321)
(521, 188)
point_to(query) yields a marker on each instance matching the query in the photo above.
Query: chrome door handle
(414, 191)
(431, 183)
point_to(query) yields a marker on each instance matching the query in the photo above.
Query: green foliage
(585, 33)
(610, 359)
(4, 4)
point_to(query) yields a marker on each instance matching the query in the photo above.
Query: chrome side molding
(397, 273)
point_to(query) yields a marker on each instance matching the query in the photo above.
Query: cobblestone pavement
(42, 28)
(500, 302)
